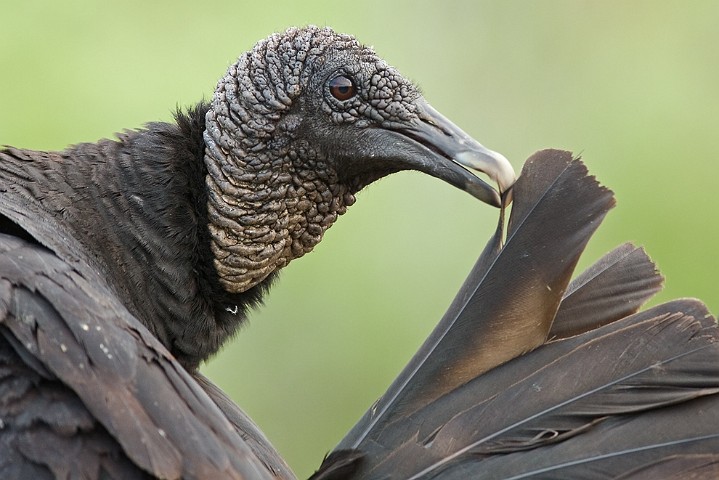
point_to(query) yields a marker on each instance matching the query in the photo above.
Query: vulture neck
(271, 195)
(136, 211)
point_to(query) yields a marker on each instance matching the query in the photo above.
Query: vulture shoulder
(84, 379)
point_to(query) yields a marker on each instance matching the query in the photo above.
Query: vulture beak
(450, 150)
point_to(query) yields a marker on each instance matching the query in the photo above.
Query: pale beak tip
(506, 176)
(490, 162)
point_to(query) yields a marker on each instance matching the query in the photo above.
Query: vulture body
(125, 263)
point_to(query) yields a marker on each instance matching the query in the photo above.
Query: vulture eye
(342, 88)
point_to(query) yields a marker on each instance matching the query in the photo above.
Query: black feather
(600, 400)
(128, 384)
(510, 297)
(615, 286)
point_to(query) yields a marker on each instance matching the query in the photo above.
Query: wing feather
(511, 296)
(79, 336)
(489, 396)
(614, 287)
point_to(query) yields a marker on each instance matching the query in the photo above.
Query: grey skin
(328, 147)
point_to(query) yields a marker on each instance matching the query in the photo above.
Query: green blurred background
(631, 85)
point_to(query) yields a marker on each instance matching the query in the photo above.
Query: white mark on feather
(232, 310)
(161, 432)
(63, 347)
(85, 326)
(106, 351)
(137, 200)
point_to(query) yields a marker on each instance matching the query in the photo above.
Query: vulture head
(301, 123)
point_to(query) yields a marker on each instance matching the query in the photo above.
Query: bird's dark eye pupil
(342, 88)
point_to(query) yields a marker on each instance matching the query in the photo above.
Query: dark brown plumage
(125, 263)
(530, 376)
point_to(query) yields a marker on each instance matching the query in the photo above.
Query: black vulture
(125, 263)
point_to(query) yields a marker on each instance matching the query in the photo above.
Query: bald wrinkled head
(301, 123)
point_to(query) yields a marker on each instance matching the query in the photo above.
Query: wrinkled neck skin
(270, 196)
(133, 214)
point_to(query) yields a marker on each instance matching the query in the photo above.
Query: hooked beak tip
(490, 162)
